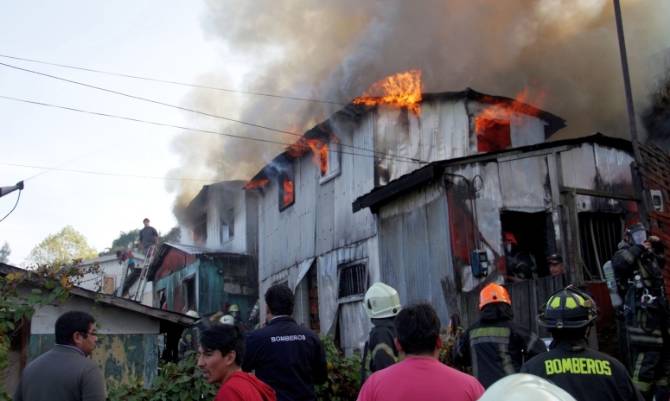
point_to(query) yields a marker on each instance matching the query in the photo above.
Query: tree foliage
(62, 248)
(125, 239)
(5, 251)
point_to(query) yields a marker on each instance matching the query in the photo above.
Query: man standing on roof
(586, 374)
(382, 304)
(148, 236)
(65, 373)
(494, 346)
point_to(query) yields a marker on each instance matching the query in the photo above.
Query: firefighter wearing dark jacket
(495, 347)
(637, 266)
(287, 357)
(586, 374)
(382, 304)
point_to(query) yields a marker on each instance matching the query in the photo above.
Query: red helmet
(508, 236)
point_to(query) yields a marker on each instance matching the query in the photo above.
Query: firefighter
(586, 374)
(637, 267)
(525, 387)
(188, 341)
(495, 347)
(382, 304)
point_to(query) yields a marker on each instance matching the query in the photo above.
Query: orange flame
(288, 196)
(398, 90)
(318, 147)
(492, 124)
(255, 184)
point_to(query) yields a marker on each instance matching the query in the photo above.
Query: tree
(174, 235)
(5, 251)
(124, 239)
(62, 248)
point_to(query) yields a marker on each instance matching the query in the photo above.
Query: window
(493, 134)
(200, 231)
(108, 284)
(188, 286)
(227, 228)
(599, 234)
(353, 281)
(332, 162)
(286, 191)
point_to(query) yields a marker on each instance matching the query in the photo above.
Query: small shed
(572, 197)
(205, 280)
(133, 337)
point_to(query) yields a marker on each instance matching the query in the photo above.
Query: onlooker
(555, 263)
(148, 236)
(65, 373)
(382, 304)
(420, 376)
(220, 354)
(570, 364)
(495, 347)
(289, 358)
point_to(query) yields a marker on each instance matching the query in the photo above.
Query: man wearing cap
(570, 364)
(555, 263)
(494, 347)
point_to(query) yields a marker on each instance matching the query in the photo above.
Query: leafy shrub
(344, 375)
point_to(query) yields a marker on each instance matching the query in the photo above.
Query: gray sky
(161, 39)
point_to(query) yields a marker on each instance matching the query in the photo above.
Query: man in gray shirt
(65, 373)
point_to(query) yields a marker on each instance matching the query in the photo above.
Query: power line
(166, 81)
(158, 102)
(200, 130)
(102, 173)
(15, 204)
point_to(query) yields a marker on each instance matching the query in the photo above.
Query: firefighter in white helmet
(382, 304)
(227, 319)
(525, 387)
(188, 341)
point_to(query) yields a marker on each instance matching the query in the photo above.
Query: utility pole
(632, 121)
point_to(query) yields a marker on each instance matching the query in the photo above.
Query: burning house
(440, 226)
(310, 238)
(217, 266)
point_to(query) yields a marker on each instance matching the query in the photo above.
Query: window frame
(334, 163)
(359, 296)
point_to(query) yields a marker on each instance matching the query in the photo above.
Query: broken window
(493, 134)
(108, 284)
(331, 168)
(200, 230)
(227, 229)
(599, 235)
(188, 290)
(353, 280)
(528, 238)
(286, 190)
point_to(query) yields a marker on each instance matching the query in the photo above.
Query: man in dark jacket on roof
(494, 346)
(289, 358)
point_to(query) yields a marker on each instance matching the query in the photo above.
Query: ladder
(144, 270)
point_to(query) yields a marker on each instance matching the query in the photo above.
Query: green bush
(175, 382)
(344, 375)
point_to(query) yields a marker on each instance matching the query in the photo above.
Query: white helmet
(193, 314)
(381, 301)
(227, 319)
(525, 387)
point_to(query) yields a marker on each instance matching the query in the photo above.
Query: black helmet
(568, 308)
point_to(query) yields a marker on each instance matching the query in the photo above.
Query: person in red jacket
(220, 355)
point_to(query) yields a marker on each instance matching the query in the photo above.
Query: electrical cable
(15, 204)
(200, 130)
(158, 102)
(171, 82)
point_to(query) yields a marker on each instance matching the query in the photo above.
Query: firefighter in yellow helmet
(382, 304)
(586, 374)
(494, 346)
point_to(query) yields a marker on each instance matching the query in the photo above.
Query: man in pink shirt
(420, 376)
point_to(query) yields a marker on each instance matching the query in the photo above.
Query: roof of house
(432, 171)
(112, 300)
(194, 250)
(107, 258)
(355, 112)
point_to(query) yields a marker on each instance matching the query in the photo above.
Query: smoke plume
(333, 50)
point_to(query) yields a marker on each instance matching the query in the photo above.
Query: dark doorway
(599, 235)
(534, 233)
